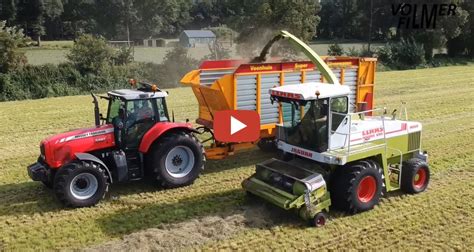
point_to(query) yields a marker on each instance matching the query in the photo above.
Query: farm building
(196, 38)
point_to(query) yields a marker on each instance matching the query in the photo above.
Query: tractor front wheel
(415, 176)
(356, 187)
(50, 182)
(177, 160)
(80, 184)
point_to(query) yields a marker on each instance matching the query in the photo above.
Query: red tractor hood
(61, 148)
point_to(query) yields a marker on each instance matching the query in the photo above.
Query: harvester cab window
(339, 105)
(311, 131)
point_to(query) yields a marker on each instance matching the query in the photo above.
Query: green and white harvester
(335, 158)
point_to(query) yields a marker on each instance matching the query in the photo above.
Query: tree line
(366, 20)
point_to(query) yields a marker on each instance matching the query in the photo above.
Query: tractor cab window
(309, 132)
(162, 111)
(139, 118)
(338, 106)
(113, 112)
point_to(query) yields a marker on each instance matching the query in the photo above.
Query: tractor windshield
(309, 131)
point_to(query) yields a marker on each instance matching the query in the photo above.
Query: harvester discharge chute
(245, 84)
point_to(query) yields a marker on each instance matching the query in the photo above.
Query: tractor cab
(311, 113)
(133, 113)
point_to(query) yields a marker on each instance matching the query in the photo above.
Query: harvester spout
(301, 46)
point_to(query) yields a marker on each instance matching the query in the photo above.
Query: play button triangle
(236, 125)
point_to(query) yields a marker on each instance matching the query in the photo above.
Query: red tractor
(136, 139)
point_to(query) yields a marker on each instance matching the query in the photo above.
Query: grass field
(214, 212)
(55, 52)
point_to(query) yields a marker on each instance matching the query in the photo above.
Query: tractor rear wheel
(177, 160)
(415, 176)
(356, 187)
(80, 184)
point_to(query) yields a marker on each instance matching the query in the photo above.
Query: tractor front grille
(414, 140)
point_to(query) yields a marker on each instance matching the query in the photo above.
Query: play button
(236, 125)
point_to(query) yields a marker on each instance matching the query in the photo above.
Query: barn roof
(199, 34)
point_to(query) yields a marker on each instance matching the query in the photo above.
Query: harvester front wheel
(177, 160)
(319, 219)
(415, 176)
(356, 187)
(80, 184)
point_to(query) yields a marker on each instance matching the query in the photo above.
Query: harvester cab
(136, 139)
(334, 157)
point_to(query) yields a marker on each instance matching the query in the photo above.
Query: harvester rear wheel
(80, 184)
(415, 176)
(356, 187)
(177, 160)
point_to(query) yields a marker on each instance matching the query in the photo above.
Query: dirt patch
(197, 231)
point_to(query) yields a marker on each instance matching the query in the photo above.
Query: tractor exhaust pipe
(96, 110)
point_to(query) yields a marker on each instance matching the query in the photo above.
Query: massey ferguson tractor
(332, 157)
(136, 139)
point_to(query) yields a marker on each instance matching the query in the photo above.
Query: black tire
(190, 146)
(75, 175)
(415, 176)
(356, 187)
(376, 165)
(319, 220)
(50, 182)
(267, 145)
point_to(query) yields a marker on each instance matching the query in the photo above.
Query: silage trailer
(240, 85)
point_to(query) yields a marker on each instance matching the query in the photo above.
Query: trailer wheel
(356, 187)
(177, 160)
(415, 176)
(80, 184)
(319, 219)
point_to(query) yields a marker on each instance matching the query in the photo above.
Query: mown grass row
(30, 217)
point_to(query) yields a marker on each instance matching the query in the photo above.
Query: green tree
(91, 54)
(257, 21)
(10, 39)
(8, 11)
(338, 18)
(118, 20)
(162, 17)
(30, 16)
(78, 18)
(53, 10)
